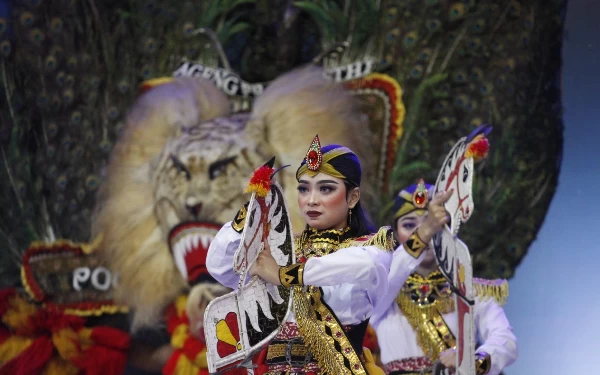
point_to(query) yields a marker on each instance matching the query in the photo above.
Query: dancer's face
(324, 201)
(407, 225)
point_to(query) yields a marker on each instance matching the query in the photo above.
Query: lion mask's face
(200, 177)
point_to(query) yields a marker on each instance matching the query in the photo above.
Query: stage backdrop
(70, 69)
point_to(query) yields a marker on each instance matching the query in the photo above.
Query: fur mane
(284, 120)
(132, 241)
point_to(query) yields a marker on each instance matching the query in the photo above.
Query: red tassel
(110, 337)
(478, 148)
(100, 360)
(260, 182)
(192, 347)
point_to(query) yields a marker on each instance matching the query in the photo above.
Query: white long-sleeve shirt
(353, 279)
(397, 339)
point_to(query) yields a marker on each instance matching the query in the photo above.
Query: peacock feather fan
(465, 63)
(70, 69)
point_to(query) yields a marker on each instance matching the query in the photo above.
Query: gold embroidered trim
(433, 335)
(383, 240)
(319, 243)
(326, 241)
(315, 233)
(496, 289)
(280, 350)
(292, 275)
(318, 325)
(322, 333)
(443, 331)
(427, 290)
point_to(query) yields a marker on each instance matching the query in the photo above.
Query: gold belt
(281, 350)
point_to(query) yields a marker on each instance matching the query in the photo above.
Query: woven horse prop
(451, 254)
(240, 323)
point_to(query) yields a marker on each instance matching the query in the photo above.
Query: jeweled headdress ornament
(319, 160)
(413, 198)
(314, 156)
(420, 197)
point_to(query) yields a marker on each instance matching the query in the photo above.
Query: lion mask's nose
(194, 209)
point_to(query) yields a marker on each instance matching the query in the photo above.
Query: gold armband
(240, 218)
(414, 245)
(292, 275)
(483, 363)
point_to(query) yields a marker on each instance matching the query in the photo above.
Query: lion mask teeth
(189, 243)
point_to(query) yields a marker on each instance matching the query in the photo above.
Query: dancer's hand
(266, 267)
(437, 216)
(448, 358)
(198, 299)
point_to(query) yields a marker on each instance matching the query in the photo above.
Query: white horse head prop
(452, 255)
(457, 173)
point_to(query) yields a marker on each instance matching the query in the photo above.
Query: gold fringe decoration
(317, 324)
(496, 289)
(421, 319)
(383, 240)
(312, 327)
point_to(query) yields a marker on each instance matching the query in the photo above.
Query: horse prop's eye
(465, 174)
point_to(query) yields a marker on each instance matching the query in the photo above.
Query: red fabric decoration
(94, 350)
(261, 361)
(32, 360)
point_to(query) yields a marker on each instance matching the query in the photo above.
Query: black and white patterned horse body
(452, 255)
(239, 324)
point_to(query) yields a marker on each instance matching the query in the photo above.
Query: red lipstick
(313, 214)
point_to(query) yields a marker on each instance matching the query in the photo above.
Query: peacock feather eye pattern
(187, 29)
(56, 25)
(27, 19)
(3, 25)
(51, 63)
(456, 12)
(37, 37)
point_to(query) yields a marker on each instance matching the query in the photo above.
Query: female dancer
(416, 320)
(342, 271)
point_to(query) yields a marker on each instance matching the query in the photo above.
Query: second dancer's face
(407, 225)
(323, 201)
